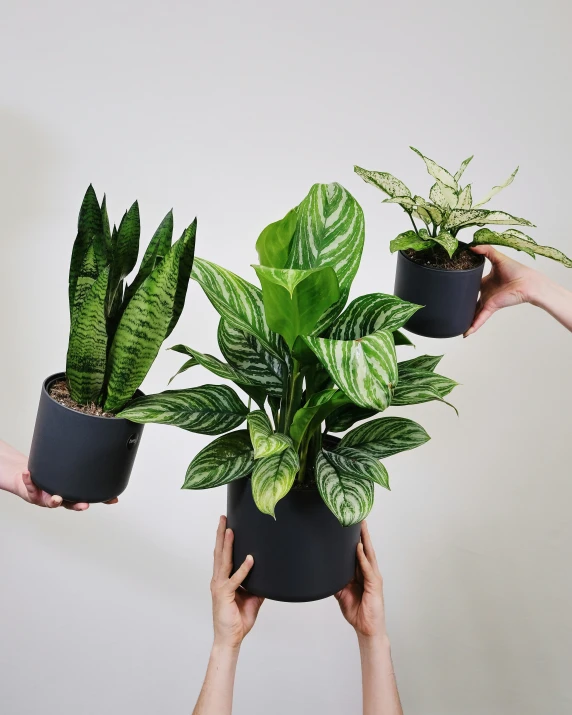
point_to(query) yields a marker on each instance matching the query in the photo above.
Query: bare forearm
(555, 300)
(380, 695)
(12, 464)
(217, 691)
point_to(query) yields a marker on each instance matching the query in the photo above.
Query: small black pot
(450, 297)
(82, 458)
(303, 555)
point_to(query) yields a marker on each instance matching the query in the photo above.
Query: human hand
(234, 609)
(361, 601)
(28, 491)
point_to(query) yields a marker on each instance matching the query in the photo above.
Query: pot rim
(61, 375)
(445, 270)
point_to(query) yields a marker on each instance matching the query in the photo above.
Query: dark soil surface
(60, 393)
(437, 257)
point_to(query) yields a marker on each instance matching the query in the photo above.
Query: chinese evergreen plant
(450, 209)
(311, 367)
(117, 329)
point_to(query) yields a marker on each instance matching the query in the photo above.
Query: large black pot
(80, 457)
(450, 297)
(303, 555)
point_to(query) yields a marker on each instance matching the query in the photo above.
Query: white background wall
(230, 111)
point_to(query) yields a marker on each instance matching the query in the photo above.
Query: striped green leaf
(314, 412)
(273, 244)
(86, 277)
(330, 232)
(521, 242)
(365, 369)
(355, 464)
(350, 500)
(381, 180)
(465, 198)
(125, 250)
(460, 218)
(214, 365)
(186, 261)
(422, 362)
(400, 339)
(346, 416)
(447, 241)
(295, 300)
(384, 437)
(371, 312)
(416, 394)
(462, 168)
(87, 347)
(143, 327)
(496, 189)
(438, 172)
(409, 239)
(238, 301)
(225, 459)
(106, 228)
(409, 377)
(209, 409)
(192, 362)
(272, 479)
(266, 443)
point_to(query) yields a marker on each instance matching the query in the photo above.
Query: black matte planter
(449, 297)
(80, 457)
(303, 555)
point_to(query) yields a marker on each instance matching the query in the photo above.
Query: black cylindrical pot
(450, 297)
(80, 457)
(303, 555)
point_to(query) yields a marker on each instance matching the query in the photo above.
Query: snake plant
(117, 329)
(308, 366)
(450, 209)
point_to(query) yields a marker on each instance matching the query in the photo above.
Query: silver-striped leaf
(264, 440)
(350, 500)
(272, 479)
(438, 172)
(355, 464)
(496, 189)
(417, 394)
(421, 362)
(371, 312)
(222, 461)
(346, 416)
(384, 181)
(443, 385)
(520, 243)
(214, 365)
(385, 436)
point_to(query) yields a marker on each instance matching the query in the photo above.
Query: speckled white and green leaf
(438, 172)
(272, 479)
(357, 464)
(222, 461)
(449, 242)
(496, 189)
(521, 243)
(422, 362)
(365, 369)
(443, 196)
(384, 181)
(459, 218)
(462, 168)
(385, 436)
(350, 500)
(265, 441)
(208, 409)
(434, 211)
(371, 312)
(409, 239)
(406, 202)
(465, 198)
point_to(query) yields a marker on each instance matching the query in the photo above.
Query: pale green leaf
(462, 168)
(445, 197)
(225, 459)
(386, 182)
(465, 198)
(438, 172)
(266, 443)
(350, 500)
(356, 464)
(485, 236)
(315, 411)
(406, 202)
(371, 312)
(435, 212)
(273, 478)
(385, 437)
(273, 244)
(480, 217)
(495, 190)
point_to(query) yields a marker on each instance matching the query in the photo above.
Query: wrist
(542, 291)
(378, 641)
(226, 649)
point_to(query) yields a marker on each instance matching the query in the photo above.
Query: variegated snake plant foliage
(117, 328)
(309, 364)
(450, 209)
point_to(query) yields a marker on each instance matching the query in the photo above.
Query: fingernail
(250, 558)
(56, 501)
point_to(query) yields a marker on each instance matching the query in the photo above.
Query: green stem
(294, 395)
(413, 222)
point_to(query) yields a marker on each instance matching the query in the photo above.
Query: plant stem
(294, 395)
(413, 222)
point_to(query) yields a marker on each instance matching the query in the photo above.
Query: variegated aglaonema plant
(450, 209)
(311, 367)
(117, 329)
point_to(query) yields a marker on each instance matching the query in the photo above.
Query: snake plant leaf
(143, 328)
(438, 172)
(186, 261)
(365, 369)
(222, 461)
(435, 212)
(238, 301)
(355, 464)
(106, 231)
(496, 189)
(314, 412)
(465, 198)
(521, 243)
(346, 416)
(384, 181)
(459, 218)
(192, 362)
(125, 250)
(447, 241)
(266, 443)
(385, 437)
(371, 312)
(406, 202)
(410, 239)
(421, 362)
(272, 479)
(208, 409)
(295, 300)
(462, 168)
(330, 232)
(273, 244)
(86, 277)
(87, 347)
(246, 354)
(350, 500)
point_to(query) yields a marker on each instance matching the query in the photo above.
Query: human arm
(510, 283)
(361, 603)
(234, 613)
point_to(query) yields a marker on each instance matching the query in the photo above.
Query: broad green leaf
(350, 500)
(409, 239)
(295, 300)
(346, 416)
(238, 301)
(381, 180)
(462, 168)
(365, 369)
(225, 459)
(209, 409)
(385, 437)
(330, 232)
(315, 411)
(435, 212)
(272, 479)
(438, 172)
(485, 236)
(184, 367)
(480, 217)
(465, 198)
(186, 260)
(273, 244)
(496, 189)
(371, 312)
(422, 362)
(266, 443)
(449, 242)
(406, 202)
(356, 464)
